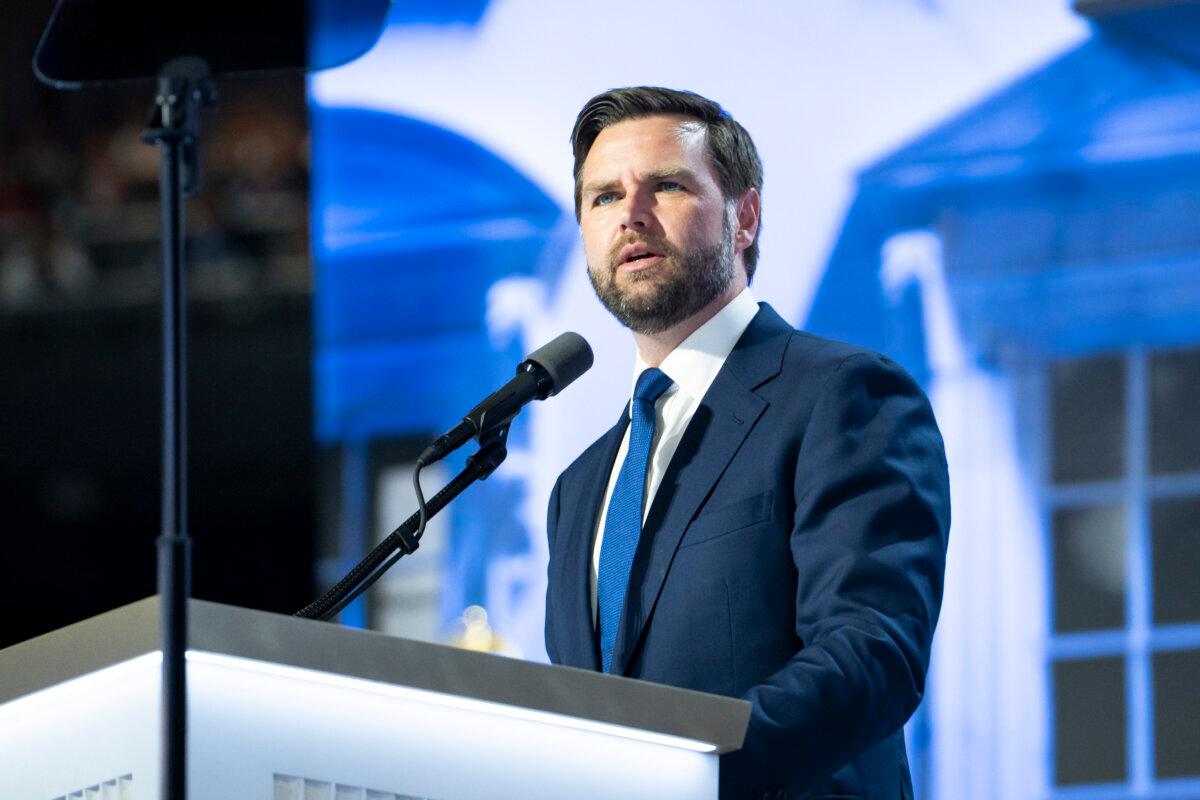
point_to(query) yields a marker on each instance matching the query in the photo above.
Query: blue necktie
(623, 523)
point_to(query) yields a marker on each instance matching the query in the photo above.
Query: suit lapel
(723, 420)
(578, 646)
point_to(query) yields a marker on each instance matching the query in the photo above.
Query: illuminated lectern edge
(440, 699)
(133, 669)
(146, 663)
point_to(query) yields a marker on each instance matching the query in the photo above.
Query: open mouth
(638, 256)
(639, 264)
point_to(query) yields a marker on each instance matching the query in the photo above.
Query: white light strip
(449, 700)
(90, 682)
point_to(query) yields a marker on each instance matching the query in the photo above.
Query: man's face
(657, 231)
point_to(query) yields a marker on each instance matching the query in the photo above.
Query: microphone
(546, 372)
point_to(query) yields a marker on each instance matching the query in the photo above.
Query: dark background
(80, 352)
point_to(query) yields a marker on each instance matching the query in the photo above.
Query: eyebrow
(670, 171)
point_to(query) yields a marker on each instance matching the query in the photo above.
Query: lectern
(291, 709)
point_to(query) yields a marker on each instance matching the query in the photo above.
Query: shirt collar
(694, 364)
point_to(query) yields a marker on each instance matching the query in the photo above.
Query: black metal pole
(184, 87)
(174, 547)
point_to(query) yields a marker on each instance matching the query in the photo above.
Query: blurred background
(1002, 196)
(80, 360)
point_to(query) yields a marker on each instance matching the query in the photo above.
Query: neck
(655, 347)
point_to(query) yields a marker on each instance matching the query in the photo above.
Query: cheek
(705, 228)
(595, 244)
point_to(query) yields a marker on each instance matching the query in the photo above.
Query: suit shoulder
(771, 347)
(801, 348)
(819, 355)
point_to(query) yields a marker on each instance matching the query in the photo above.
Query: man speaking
(768, 519)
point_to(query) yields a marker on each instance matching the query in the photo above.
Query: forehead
(646, 144)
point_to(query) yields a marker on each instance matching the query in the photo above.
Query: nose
(636, 213)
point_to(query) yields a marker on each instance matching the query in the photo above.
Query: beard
(684, 282)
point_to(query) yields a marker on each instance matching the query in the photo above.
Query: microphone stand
(548, 369)
(402, 541)
(184, 87)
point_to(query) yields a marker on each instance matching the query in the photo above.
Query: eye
(670, 186)
(604, 198)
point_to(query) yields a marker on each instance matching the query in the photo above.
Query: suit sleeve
(869, 542)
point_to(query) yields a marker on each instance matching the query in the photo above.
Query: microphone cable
(406, 538)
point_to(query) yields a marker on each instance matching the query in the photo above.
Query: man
(769, 518)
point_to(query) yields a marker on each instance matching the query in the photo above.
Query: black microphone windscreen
(565, 358)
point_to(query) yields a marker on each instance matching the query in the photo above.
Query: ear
(746, 210)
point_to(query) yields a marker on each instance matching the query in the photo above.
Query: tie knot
(651, 384)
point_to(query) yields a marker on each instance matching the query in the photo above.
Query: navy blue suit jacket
(792, 556)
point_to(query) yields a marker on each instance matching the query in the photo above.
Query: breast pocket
(728, 519)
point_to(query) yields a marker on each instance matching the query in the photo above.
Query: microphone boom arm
(401, 541)
(546, 372)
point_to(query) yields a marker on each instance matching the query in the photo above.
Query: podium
(281, 708)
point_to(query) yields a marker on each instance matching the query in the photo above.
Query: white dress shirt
(693, 366)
